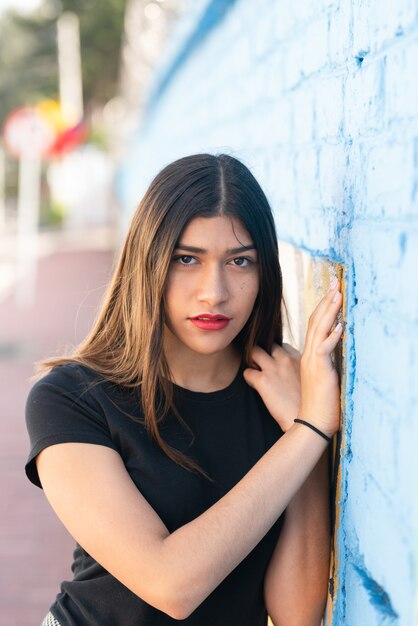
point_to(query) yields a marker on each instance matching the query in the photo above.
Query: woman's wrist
(309, 435)
(329, 433)
(324, 428)
(320, 432)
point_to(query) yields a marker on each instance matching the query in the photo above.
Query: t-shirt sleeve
(61, 409)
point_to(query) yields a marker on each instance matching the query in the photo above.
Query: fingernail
(335, 298)
(333, 283)
(337, 328)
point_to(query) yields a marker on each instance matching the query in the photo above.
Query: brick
(401, 86)
(315, 46)
(284, 20)
(309, 9)
(306, 167)
(332, 170)
(390, 179)
(273, 78)
(284, 177)
(302, 114)
(328, 107)
(406, 467)
(282, 126)
(258, 127)
(320, 233)
(386, 261)
(375, 26)
(262, 34)
(382, 539)
(246, 91)
(389, 366)
(339, 34)
(291, 225)
(292, 62)
(365, 99)
(376, 451)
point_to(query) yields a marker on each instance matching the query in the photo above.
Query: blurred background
(73, 79)
(319, 98)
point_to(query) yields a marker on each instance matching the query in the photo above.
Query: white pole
(69, 63)
(27, 229)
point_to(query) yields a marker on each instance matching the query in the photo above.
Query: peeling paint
(378, 596)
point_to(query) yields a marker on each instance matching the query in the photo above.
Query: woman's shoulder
(71, 373)
(72, 379)
(62, 408)
(80, 383)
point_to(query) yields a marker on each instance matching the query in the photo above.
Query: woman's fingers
(262, 359)
(323, 303)
(322, 318)
(260, 356)
(320, 394)
(277, 381)
(251, 376)
(328, 345)
(325, 323)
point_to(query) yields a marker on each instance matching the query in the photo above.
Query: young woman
(166, 442)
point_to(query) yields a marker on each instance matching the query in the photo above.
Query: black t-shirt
(232, 430)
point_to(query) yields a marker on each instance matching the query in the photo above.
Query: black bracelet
(329, 439)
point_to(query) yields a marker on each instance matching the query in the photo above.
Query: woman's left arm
(296, 581)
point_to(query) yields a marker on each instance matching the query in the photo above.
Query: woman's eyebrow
(183, 246)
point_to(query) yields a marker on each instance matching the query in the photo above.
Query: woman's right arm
(93, 495)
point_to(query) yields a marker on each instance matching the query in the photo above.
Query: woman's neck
(201, 372)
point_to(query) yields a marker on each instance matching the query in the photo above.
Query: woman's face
(219, 278)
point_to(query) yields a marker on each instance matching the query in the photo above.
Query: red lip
(210, 322)
(211, 317)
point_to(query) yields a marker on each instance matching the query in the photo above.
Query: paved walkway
(35, 549)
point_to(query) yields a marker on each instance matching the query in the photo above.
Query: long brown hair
(125, 344)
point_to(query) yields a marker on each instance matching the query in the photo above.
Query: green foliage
(28, 52)
(28, 64)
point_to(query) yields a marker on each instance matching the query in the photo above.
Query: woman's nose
(212, 287)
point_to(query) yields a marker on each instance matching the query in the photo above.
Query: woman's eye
(245, 259)
(182, 257)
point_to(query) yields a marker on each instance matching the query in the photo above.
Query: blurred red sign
(27, 134)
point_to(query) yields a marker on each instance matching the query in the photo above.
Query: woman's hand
(320, 403)
(278, 382)
(311, 392)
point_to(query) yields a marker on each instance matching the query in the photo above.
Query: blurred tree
(28, 63)
(101, 29)
(28, 52)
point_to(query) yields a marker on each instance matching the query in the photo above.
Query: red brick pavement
(35, 549)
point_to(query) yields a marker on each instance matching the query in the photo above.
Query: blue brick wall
(320, 99)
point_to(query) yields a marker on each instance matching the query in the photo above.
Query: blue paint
(379, 598)
(211, 19)
(360, 56)
(330, 254)
(343, 540)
